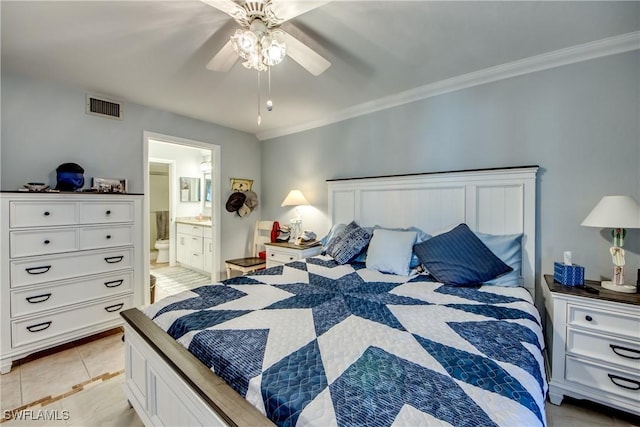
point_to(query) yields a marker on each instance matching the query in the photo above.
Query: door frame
(215, 203)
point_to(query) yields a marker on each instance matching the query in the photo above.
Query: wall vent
(102, 106)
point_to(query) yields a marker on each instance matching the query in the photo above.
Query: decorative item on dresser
(594, 345)
(282, 253)
(70, 264)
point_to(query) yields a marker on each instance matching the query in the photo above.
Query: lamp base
(627, 289)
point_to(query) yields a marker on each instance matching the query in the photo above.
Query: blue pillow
(508, 248)
(459, 257)
(390, 251)
(349, 243)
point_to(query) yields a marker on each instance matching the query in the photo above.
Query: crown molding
(571, 55)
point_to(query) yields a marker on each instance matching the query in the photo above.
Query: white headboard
(495, 201)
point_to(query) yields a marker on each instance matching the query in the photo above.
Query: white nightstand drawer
(603, 379)
(606, 349)
(42, 242)
(281, 257)
(604, 321)
(32, 301)
(39, 214)
(57, 267)
(106, 212)
(103, 237)
(47, 326)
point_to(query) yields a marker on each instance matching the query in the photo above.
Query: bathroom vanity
(194, 248)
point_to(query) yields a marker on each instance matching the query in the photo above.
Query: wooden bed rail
(220, 397)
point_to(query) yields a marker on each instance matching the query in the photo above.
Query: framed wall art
(240, 184)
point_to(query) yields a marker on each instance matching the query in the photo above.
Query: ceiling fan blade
(224, 59)
(227, 6)
(304, 55)
(286, 9)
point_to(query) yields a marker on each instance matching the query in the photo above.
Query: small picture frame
(109, 185)
(240, 184)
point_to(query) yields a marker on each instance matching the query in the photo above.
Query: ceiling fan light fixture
(273, 52)
(244, 42)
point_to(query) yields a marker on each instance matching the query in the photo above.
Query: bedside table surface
(605, 294)
(291, 245)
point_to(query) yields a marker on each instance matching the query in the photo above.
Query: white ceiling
(154, 53)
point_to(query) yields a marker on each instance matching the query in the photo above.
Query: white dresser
(69, 263)
(594, 344)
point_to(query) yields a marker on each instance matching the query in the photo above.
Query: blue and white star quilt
(317, 343)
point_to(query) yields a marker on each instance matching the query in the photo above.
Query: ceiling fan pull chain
(269, 102)
(259, 116)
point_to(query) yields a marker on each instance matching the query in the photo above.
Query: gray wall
(44, 124)
(578, 122)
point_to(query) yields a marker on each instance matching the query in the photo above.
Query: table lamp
(617, 213)
(295, 198)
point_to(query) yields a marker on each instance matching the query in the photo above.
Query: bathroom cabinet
(193, 248)
(70, 262)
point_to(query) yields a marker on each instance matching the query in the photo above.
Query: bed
(326, 342)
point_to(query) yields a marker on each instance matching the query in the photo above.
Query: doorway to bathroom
(182, 194)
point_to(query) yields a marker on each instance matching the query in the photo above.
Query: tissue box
(568, 275)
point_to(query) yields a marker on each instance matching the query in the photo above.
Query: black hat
(235, 202)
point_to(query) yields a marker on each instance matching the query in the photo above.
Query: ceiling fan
(260, 41)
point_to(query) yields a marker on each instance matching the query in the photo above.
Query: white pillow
(390, 251)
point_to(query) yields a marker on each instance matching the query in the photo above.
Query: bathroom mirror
(207, 190)
(189, 189)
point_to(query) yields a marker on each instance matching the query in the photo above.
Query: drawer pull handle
(114, 259)
(588, 318)
(46, 242)
(617, 347)
(38, 298)
(115, 307)
(39, 327)
(290, 258)
(108, 212)
(47, 213)
(613, 379)
(108, 236)
(114, 283)
(38, 270)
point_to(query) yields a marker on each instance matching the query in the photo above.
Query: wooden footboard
(167, 385)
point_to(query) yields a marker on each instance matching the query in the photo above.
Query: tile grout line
(51, 399)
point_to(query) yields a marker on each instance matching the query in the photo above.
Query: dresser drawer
(604, 321)
(191, 230)
(46, 326)
(103, 237)
(605, 349)
(40, 214)
(42, 242)
(57, 267)
(34, 300)
(603, 379)
(106, 212)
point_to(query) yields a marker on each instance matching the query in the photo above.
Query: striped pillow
(459, 257)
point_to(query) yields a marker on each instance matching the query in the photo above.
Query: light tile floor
(71, 388)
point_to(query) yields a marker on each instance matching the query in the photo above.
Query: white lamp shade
(294, 198)
(614, 212)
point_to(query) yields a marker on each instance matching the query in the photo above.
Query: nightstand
(282, 253)
(594, 345)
